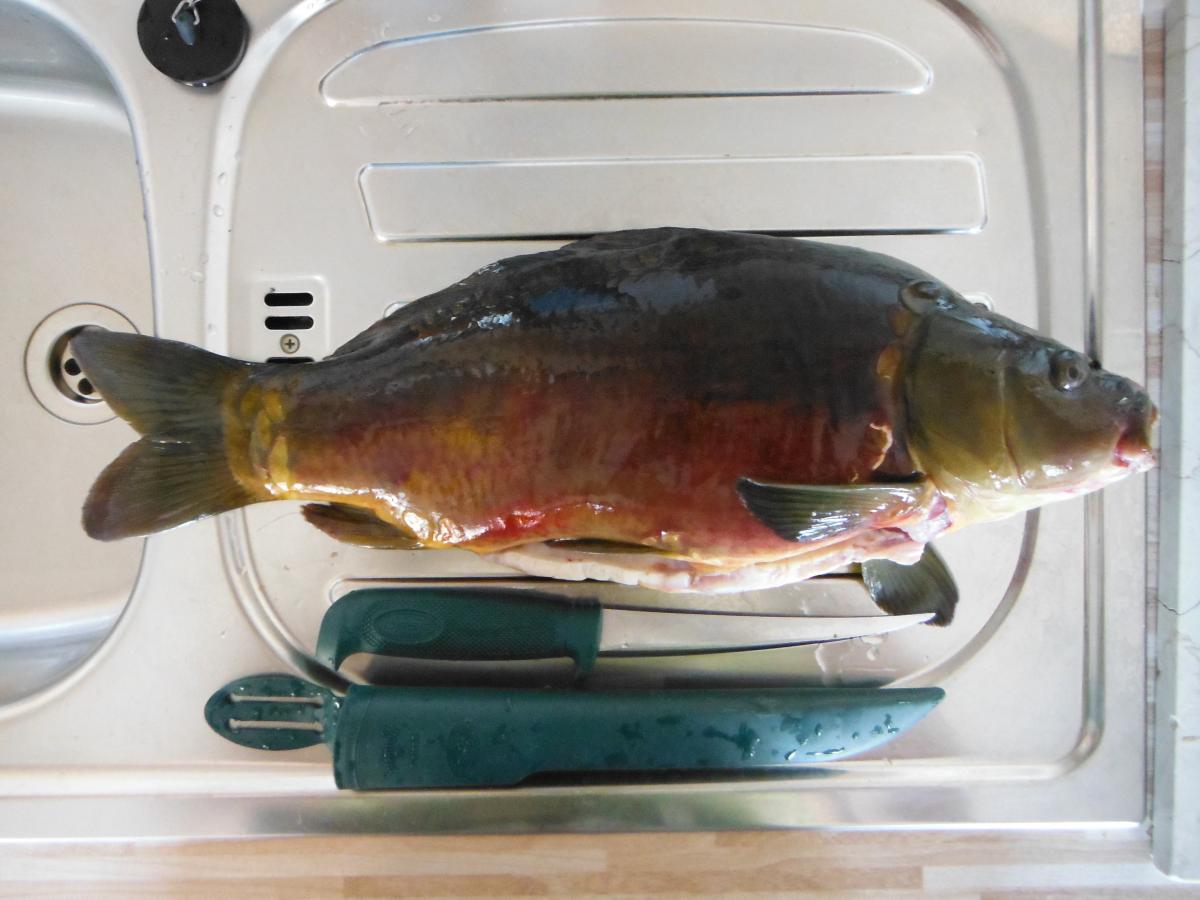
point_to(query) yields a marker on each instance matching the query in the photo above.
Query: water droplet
(203, 258)
(435, 18)
(218, 210)
(830, 752)
(221, 178)
(197, 277)
(788, 756)
(746, 739)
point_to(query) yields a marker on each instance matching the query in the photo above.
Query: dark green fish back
(735, 315)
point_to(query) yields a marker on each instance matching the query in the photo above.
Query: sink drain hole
(55, 376)
(67, 374)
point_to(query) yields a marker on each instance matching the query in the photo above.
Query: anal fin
(925, 586)
(361, 527)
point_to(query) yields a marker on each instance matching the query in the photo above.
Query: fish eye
(1068, 370)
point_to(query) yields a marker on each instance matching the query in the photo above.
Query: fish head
(1004, 419)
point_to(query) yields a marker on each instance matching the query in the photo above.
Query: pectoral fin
(925, 586)
(361, 527)
(803, 512)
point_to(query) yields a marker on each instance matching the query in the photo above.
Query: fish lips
(1134, 448)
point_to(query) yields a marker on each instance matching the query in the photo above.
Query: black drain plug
(195, 42)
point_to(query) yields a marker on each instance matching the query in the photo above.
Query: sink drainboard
(364, 155)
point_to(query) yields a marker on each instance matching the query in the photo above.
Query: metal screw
(289, 343)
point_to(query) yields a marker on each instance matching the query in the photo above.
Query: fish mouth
(1133, 451)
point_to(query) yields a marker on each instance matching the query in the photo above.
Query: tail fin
(171, 393)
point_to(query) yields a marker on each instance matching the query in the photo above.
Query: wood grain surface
(746, 864)
(995, 865)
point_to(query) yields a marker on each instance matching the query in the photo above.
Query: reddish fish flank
(627, 418)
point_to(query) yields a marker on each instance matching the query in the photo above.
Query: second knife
(503, 624)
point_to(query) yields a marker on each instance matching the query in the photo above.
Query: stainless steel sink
(365, 154)
(74, 247)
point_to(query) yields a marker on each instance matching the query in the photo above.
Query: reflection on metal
(609, 58)
(73, 253)
(1176, 814)
(557, 198)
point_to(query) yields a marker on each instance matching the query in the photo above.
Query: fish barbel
(677, 408)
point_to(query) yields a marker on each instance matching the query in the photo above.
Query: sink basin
(338, 167)
(74, 253)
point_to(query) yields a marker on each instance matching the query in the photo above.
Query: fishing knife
(506, 624)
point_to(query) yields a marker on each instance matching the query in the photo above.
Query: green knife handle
(460, 624)
(389, 737)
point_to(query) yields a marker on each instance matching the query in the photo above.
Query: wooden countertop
(746, 864)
